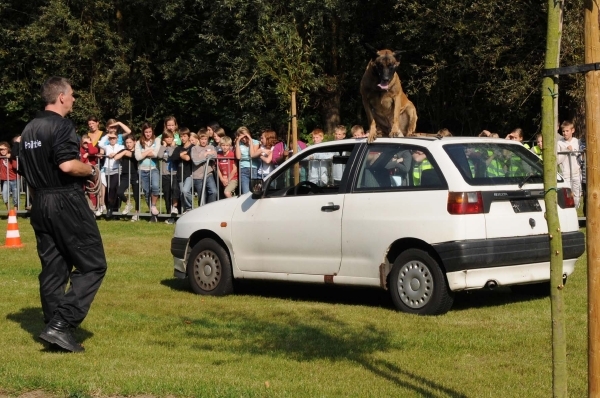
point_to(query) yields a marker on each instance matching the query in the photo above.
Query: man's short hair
(53, 87)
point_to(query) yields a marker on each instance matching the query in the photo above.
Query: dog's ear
(373, 53)
(398, 55)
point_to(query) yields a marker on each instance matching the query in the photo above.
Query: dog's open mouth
(383, 86)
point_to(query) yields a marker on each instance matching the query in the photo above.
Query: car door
(295, 227)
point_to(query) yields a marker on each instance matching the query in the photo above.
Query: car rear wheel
(418, 286)
(209, 269)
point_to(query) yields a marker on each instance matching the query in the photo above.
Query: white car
(420, 217)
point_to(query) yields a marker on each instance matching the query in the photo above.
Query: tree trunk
(331, 109)
(549, 123)
(592, 121)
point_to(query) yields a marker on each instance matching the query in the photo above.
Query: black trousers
(71, 252)
(124, 182)
(111, 191)
(170, 188)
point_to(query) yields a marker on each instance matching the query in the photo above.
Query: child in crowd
(227, 170)
(181, 156)
(267, 140)
(357, 131)
(111, 167)
(146, 151)
(246, 151)
(95, 135)
(517, 135)
(216, 138)
(537, 148)
(8, 176)
(129, 177)
(444, 133)
(172, 127)
(88, 154)
(210, 130)
(116, 127)
(200, 155)
(566, 159)
(337, 170)
(319, 162)
(170, 186)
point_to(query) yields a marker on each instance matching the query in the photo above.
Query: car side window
(397, 167)
(314, 172)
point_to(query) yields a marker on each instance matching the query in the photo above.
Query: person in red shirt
(8, 175)
(88, 155)
(227, 169)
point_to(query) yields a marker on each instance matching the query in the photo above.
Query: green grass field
(147, 334)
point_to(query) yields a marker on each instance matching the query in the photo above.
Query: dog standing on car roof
(389, 111)
(68, 240)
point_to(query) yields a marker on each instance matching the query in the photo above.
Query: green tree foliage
(467, 65)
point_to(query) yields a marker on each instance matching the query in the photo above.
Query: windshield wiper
(527, 178)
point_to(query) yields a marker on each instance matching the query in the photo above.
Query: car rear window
(489, 163)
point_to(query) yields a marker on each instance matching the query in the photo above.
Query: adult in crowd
(8, 176)
(96, 135)
(65, 229)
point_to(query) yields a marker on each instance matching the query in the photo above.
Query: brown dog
(389, 111)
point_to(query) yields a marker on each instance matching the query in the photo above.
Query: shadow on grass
(489, 298)
(309, 336)
(30, 319)
(355, 295)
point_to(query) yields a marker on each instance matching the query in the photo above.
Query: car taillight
(565, 198)
(465, 203)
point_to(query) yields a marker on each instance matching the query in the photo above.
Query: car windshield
(490, 163)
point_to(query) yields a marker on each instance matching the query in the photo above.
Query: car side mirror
(256, 186)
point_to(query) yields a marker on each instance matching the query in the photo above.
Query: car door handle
(330, 207)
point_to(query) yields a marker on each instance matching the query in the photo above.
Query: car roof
(423, 141)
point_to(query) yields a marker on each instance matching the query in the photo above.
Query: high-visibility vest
(538, 151)
(418, 169)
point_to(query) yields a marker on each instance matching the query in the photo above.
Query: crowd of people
(180, 164)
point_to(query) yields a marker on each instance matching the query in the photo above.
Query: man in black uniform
(68, 240)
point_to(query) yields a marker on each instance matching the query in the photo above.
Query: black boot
(59, 332)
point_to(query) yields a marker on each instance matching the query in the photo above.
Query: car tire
(418, 285)
(209, 269)
(541, 289)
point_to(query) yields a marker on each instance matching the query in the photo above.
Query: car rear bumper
(504, 276)
(502, 252)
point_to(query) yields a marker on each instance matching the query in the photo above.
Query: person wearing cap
(69, 243)
(111, 169)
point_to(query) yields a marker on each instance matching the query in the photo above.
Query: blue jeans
(211, 188)
(186, 192)
(10, 185)
(150, 181)
(245, 178)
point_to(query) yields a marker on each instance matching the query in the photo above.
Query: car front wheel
(418, 286)
(209, 269)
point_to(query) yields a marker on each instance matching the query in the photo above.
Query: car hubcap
(207, 270)
(415, 284)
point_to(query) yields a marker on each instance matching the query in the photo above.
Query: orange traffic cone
(13, 239)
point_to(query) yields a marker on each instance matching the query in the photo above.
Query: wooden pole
(549, 93)
(592, 122)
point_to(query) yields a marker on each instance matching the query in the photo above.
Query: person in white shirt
(111, 166)
(566, 158)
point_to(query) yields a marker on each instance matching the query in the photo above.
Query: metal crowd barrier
(24, 203)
